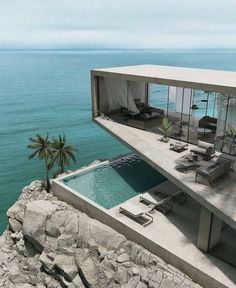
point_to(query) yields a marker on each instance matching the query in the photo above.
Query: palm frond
(33, 154)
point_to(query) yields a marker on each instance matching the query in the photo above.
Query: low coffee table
(187, 161)
(179, 147)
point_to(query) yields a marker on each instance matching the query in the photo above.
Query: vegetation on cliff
(54, 151)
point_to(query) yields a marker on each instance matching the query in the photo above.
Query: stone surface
(155, 279)
(67, 266)
(51, 244)
(15, 225)
(17, 210)
(35, 221)
(47, 263)
(65, 240)
(88, 264)
(122, 258)
(135, 271)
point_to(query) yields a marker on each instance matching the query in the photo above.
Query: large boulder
(15, 273)
(17, 210)
(65, 240)
(66, 266)
(122, 275)
(124, 257)
(155, 279)
(143, 257)
(36, 214)
(78, 282)
(47, 263)
(98, 234)
(62, 222)
(88, 264)
(15, 225)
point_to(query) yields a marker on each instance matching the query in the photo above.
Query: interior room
(192, 114)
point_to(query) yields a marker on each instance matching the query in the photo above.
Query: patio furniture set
(160, 199)
(204, 152)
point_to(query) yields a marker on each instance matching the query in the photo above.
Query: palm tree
(41, 145)
(62, 153)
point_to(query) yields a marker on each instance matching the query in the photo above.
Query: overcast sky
(117, 23)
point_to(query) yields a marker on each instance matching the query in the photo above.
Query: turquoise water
(112, 184)
(49, 91)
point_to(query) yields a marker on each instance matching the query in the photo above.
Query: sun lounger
(136, 213)
(162, 196)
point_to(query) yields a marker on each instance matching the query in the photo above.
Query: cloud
(117, 24)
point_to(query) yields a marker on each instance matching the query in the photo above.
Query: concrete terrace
(220, 199)
(173, 237)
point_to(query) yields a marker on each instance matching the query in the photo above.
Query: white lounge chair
(138, 214)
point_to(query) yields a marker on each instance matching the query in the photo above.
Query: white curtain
(115, 94)
(222, 102)
(138, 91)
(182, 97)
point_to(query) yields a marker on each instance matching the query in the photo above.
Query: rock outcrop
(50, 244)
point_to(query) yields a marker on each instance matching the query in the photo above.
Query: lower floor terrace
(173, 237)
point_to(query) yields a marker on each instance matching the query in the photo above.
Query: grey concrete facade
(217, 202)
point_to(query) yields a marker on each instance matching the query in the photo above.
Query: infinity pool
(115, 182)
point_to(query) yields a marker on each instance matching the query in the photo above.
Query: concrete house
(199, 105)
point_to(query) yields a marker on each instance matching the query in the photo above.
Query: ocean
(49, 91)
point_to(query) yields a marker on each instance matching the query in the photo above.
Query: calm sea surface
(49, 91)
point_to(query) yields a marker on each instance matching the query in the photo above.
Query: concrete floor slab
(172, 237)
(220, 199)
(175, 234)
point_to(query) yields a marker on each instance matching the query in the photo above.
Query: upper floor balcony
(200, 104)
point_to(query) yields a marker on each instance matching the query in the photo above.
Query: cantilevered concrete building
(130, 104)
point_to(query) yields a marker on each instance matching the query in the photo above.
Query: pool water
(111, 184)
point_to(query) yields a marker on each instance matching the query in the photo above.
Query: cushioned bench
(204, 149)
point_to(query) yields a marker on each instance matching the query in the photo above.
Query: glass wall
(226, 127)
(194, 114)
(158, 96)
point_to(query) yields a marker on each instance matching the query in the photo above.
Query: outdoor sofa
(221, 167)
(208, 123)
(205, 150)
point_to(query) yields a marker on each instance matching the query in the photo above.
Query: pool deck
(173, 237)
(220, 199)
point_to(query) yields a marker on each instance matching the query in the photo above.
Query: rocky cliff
(50, 244)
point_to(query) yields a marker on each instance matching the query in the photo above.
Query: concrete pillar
(209, 230)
